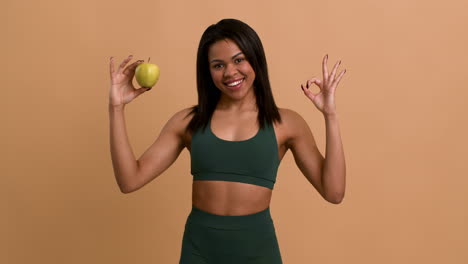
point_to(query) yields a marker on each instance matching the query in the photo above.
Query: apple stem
(149, 59)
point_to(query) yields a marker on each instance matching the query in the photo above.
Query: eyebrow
(215, 60)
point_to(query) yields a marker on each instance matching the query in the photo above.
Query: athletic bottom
(217, 239)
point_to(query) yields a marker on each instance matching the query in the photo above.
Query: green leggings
(218, 239)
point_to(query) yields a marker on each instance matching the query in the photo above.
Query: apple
(147, 74)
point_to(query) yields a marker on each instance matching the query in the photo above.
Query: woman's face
(230, 70)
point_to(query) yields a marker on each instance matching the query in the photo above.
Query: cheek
(215, 76)
(251, 73)
(248, 69)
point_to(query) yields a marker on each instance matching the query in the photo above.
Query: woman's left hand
(325, 99)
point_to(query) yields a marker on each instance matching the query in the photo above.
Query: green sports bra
(253, 161)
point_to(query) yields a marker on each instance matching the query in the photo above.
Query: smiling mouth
(235, 84)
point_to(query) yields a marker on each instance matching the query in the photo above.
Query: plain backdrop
(401, 105)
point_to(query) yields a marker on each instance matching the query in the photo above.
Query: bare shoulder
(292, 126)
(182, 116)
(293, 119)
(289, 114)
(180, 121)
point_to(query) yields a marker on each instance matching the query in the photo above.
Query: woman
(237, 137)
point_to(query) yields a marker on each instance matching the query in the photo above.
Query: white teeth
(235, 83)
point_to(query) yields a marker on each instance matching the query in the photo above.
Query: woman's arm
(133, 174)
(334, 168)
(123, 159)
(327, 174)
(333, 172)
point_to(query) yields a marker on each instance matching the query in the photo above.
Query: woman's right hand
(122, 90)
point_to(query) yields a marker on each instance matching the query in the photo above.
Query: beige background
(401, 105)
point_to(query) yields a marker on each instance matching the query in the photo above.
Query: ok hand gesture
(325, 99)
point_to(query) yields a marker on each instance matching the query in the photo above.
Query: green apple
(147, 74)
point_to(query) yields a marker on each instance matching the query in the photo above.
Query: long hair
(208, 95)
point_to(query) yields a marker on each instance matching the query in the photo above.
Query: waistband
(230, 222)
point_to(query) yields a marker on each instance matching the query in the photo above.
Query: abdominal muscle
(230, 198)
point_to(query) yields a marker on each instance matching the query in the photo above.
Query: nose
(230, 70)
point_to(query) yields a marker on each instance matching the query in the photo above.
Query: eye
(239, 59)
(217, 66)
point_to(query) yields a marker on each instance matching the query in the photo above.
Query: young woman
(237, 137)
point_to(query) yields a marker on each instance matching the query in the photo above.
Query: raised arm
(163, 152)
(121, 93)
(133, 174)
(307, 156)
(123, 159)
(333, 171)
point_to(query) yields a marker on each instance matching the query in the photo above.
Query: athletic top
(253, 161)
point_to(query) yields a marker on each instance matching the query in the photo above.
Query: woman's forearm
(334, 169)
(123, 160)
